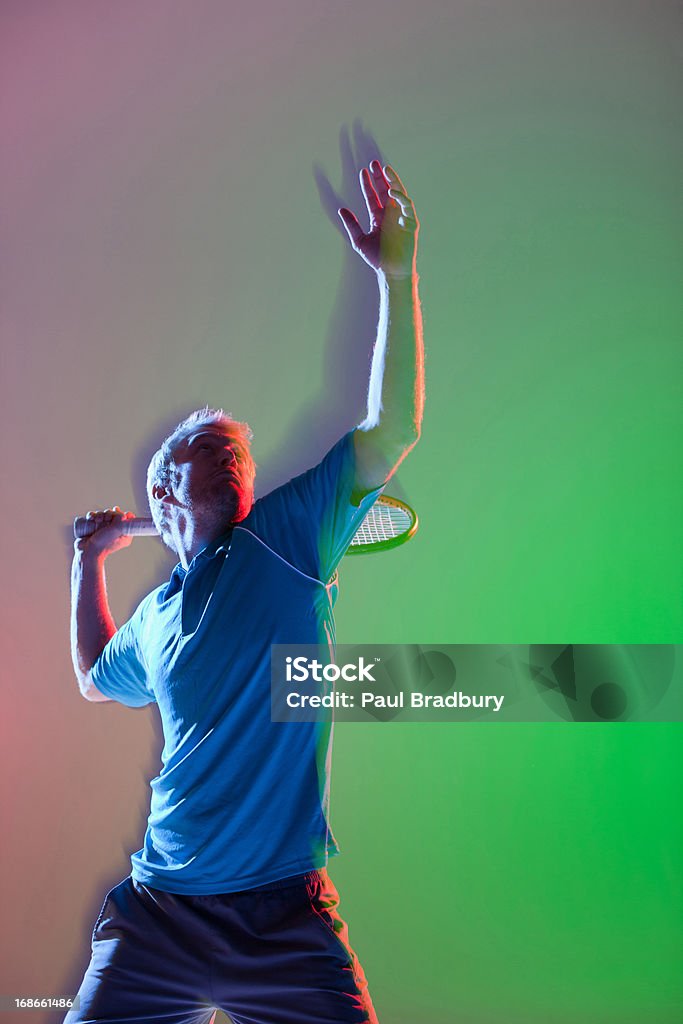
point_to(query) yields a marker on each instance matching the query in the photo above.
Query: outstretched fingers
(384, 193)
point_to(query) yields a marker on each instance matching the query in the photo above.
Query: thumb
(353, 228)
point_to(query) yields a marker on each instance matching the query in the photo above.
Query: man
(229, 903)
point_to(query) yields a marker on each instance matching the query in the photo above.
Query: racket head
(389, 523)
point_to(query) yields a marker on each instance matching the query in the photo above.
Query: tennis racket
(389, 523)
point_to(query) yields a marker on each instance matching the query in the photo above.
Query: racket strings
(382, 523)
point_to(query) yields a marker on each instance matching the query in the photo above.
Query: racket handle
(137, 527)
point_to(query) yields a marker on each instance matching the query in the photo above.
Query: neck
(189, 538)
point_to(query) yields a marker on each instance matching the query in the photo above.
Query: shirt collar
(221, 543)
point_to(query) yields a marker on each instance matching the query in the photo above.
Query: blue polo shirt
(240, 800)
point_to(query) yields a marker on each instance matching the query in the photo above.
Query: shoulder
(145, 607)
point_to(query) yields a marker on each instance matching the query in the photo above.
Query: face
(211, 477)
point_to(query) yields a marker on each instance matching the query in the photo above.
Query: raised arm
(396, 391)
(92, 624)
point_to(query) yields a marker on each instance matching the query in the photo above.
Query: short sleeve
(119, 672)
(311, 520)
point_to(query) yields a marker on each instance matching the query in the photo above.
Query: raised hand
(390, 247)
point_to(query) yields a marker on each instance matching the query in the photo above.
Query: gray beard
(215, 510)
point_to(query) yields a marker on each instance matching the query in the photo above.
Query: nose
(227, 458)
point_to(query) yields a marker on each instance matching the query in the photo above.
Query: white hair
(161, 464)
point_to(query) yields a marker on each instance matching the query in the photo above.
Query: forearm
(92, 624)
(396, 390)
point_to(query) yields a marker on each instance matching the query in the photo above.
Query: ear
(162, 494)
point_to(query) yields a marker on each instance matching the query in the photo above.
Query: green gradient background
(166, 247)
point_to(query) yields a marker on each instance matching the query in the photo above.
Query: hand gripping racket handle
(137, 527)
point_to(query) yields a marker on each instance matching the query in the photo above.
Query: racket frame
(391, 542)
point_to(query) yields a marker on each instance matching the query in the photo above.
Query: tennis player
(229, 904)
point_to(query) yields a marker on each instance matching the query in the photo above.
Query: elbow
(402, 446)
(85, 687)
(82, 676)
(88, 689)
(410, 439)
(405, 437)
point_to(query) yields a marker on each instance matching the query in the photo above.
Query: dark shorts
(278, 954)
